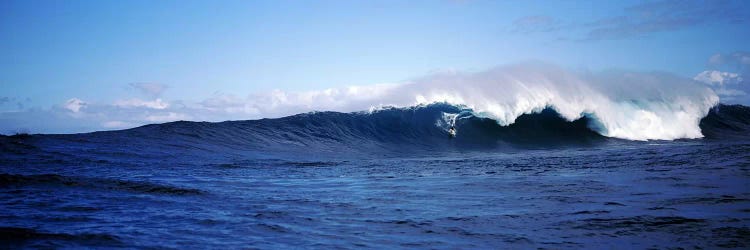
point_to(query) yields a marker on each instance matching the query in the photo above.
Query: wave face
(388, 130)
(415, 128)
(727, 122)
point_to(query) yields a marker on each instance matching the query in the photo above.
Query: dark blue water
(388, 179)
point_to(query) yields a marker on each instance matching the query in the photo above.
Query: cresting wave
(633, 106)
(625, 105)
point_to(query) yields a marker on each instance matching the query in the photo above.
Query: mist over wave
(626, 105)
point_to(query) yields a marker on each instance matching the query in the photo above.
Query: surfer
(452, 131)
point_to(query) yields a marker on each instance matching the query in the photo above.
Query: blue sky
(154, 54)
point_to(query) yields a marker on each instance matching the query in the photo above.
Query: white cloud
(75, 105)
(718, 78)
(727, 85)
(727, 76)
(278, 102)
(138, 103)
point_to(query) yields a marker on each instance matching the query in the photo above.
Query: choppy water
(135, 189)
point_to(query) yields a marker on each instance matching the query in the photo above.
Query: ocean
(391, 178)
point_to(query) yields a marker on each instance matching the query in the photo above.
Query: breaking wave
(625, 105)
(515, 106)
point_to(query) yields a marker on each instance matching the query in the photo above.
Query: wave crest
(634, 106)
